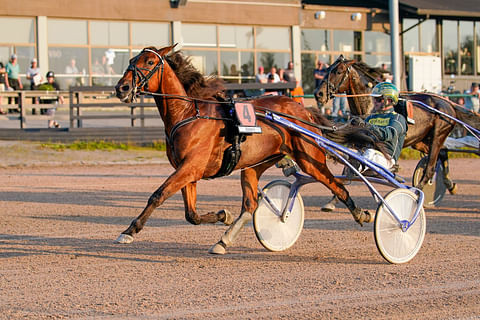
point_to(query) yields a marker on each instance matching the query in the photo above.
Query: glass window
(146, 34)
(204, 61)
(378, 61)
(70, 65)
(108, 65)
(236, 66)
(343, 40)
(376, 41)
(199, 35)
(67, 31)
(466, 47)
(450, 46)
(235, 37)
(410, 37)
(23, 30)
(428, 31)
(273, 38)
(273, 59)
(308, 66)
(109, 33)
(315, 39)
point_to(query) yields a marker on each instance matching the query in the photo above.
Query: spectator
(281, 75)
(273, 71)
(271, 79)
(72, 69)
(472, 102)
(340, 106)
(34, 75)
(51, 85)
(297, 93)
(261, 76)
(289, 74)
(3, 84)
(319, 74)
(13, 73)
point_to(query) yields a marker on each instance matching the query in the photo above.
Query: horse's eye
(150, 63)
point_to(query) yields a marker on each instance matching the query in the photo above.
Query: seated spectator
(261, 76)
(472, 102)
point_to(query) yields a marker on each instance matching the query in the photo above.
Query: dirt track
(58, 259)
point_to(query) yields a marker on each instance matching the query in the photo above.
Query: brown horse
(197, 126)
(427, 134)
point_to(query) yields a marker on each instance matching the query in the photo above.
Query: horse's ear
(166, 50)
(341, 57)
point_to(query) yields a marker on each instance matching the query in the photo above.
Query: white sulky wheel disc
(272, 233)
(395, 245)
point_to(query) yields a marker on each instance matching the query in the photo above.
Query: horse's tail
(354, 136)
(469, 117)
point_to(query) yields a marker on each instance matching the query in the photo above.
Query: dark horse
(426, 133)
(196, 126)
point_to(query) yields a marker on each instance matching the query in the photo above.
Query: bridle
(139, 72)
(331, 88)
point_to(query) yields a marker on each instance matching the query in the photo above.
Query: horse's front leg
(189, 193)
(179, 179)
(250, 179)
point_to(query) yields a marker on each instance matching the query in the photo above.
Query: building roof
(438, 8)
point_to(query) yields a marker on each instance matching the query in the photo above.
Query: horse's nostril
(125, 88)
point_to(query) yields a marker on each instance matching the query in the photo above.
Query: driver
(389, 126)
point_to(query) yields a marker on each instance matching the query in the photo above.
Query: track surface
(58, 259)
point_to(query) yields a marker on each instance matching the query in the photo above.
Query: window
(235, 37)
(450, 47)
(146, 34)
(67, 31)
(109, 33)
(198, 35)
(477, 31)
(428, 35)
(272, 38)
(466, 47)
(315, 39)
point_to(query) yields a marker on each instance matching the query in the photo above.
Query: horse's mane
(368, 73)
(194, 83)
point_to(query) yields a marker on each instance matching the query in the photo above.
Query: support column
(395, 42)
(297, 51)
(42, 44)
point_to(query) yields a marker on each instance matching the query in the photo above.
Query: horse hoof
(217, 248)
(228, 217)
(124, 239)
(329, 207)
(453, 189)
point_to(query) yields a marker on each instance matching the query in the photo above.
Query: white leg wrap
(232, 233)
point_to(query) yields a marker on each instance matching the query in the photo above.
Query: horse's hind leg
(317, 168)
(189, 193)
(451, 186)
(250, 179)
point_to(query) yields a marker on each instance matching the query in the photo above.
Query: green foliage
(102, 145)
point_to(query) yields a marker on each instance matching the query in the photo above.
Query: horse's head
(335, 80)
(144, 73)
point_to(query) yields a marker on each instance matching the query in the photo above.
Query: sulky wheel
(394, 244)
(434, 190)
(271, 231)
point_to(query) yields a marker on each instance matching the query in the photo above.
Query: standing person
(297, 93)
(340, 106)
(14, 81)
(319, 74)
(472, 102)
(51, 85)
(3, 84)
(261, 76)
(34, 75)
(389, 126)
(289, 74)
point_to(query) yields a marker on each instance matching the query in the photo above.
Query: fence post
(132, 116)
(70, 98)
(79, 112)
(21, 104)
(142, 111)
